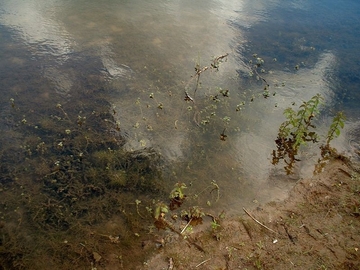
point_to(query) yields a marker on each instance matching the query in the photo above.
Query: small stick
(202, 263)
(187, 97)
(183, 230)
(221, 57)
(328, 212)
(188, 239)
(258, 222)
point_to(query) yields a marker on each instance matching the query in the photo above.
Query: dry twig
(202, 263)
(258, 222)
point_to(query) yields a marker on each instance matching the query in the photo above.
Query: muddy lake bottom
(73, 198)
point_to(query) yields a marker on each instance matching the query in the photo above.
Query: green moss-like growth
(118, 179)
(64, 177)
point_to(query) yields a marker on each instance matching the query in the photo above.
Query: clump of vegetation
(327, 152)
(299, 129)
(169, 216)
(212, 109)
(177, 195)
(63, 178)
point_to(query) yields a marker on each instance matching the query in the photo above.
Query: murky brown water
(140, 57)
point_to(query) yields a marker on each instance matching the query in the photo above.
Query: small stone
(97, 256)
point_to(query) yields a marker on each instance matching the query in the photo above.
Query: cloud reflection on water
(135, 40)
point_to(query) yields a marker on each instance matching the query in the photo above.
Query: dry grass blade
(258, 222)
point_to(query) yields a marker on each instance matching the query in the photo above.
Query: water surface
(141, 55)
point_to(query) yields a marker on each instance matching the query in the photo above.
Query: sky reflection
(145, 48)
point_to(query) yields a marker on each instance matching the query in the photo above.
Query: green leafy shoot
(327, 152)
(334, 130)
(177, 195)
(160, 210)
(296, 131)
(178, 191)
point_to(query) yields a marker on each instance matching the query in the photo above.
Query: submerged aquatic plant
(334, 130)
(296, 131)
(177, 195)
(327, 151)
(194, 215)
(68, 172)
(299, 129)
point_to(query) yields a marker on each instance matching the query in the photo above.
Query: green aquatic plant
(67, 171)
(199, 70)
(299, 129)
(338, 123)
(327, 152)
(215, 64)
(212, 108)
(194, 215)
(161, 209)
(296, 131)
(178, 191)
(177, 195)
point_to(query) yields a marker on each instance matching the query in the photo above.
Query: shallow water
(138, 49)
(143, 56)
